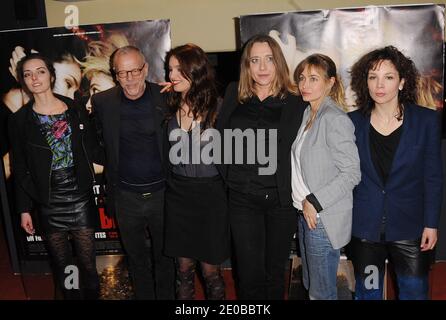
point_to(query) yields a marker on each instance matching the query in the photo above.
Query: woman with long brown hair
(197, 227)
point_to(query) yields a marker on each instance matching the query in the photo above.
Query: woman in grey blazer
(325, 169)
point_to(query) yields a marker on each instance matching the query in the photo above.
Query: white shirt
(298, 186)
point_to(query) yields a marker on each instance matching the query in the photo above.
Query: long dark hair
(37, 56)
(202, 95)
(370, 61)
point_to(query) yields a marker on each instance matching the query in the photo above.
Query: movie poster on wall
(346, 34)
(81, 59)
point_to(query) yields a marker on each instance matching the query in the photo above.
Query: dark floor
(115, 283)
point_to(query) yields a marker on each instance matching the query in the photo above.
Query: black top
(254, 114)
(290, 120)
(106, 106)
(184, 143)
(382, 150)
(140, 168)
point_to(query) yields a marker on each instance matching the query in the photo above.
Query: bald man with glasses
(129, 121)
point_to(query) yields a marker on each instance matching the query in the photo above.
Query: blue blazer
(411, 198)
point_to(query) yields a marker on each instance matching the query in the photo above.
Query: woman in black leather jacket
(52, 153)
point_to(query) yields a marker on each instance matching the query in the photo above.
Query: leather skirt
(68, 207)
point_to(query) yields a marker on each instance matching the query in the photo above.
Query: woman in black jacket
(52, 154)
(262, 218)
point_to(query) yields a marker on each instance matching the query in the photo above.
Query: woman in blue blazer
(396, 206)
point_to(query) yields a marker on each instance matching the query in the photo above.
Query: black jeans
(152, 273)
(262, 232)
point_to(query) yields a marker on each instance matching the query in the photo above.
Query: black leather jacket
(32, 157)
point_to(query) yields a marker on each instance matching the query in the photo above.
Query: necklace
(385, 122)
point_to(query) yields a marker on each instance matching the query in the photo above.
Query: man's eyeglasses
(135, 72)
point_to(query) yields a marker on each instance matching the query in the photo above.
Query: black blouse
(254, 114)
(383, 149)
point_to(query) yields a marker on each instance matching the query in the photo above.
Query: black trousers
(152, 272)
(262, 232)
(410, 263)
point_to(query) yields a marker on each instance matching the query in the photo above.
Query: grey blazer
(330, 168)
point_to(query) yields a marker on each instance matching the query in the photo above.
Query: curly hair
(372, 60)
(202, 95)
